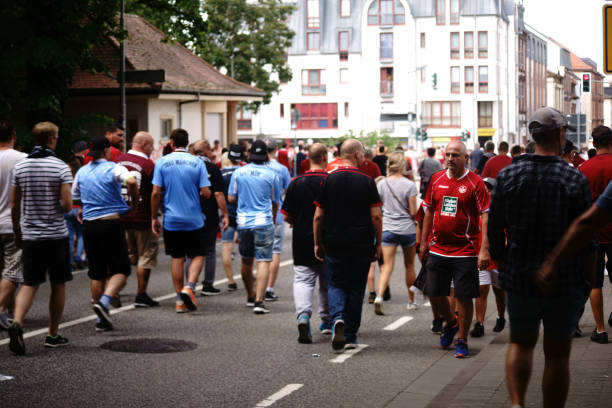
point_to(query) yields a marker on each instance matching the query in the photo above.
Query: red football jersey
(598, 170)
(114, 153)
(334, 164)
(457, 205)
(370, 168)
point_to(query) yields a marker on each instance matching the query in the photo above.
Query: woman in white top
(398, 195)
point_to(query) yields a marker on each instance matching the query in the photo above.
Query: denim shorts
(560, 315)
(256, 243)
(393, 239)
(279, 236)
(227, 236)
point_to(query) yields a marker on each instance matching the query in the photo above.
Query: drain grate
(149, 346)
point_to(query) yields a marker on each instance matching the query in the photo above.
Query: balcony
(386, 88)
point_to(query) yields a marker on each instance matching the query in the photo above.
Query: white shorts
(488, 277)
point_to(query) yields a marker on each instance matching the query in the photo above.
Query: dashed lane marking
(282, 393)
(348, 354)
(398, 323)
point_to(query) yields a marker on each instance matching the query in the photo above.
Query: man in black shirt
(347, 234)
(381, 160)
(298, 210)
(210, 208)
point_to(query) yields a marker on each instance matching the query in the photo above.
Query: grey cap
(548, 118)
(270, 143)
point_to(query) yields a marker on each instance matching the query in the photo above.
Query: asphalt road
(240, 359)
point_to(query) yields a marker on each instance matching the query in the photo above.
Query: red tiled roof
(578, 64)
(144, 50)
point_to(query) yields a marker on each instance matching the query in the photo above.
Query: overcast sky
(577, 24)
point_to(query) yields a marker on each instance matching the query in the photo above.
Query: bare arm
(412, 206)
(274, 211)
(483, 257)
(16, 215)
(232, 198)
(288, 218)
(155, 200)
(317, 228)
(376, 217)
(66, 197)
(426, 230)
(220, 198)
(205, 192)
(132, 188)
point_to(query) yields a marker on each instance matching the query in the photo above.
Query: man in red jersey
(114, 134)
(598, 171)
(455, 201)
(496, 163)
(337, 162)
(368, 166)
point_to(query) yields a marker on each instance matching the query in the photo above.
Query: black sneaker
(372, 297)
(116, 302)
(436, 325)
(610, 319)
(144, 300)
(260, 308)
(16, 344)
(601, 338)
(210, 290)
(101, 327)
(387, 294)
(478, 330)
(103, 314)
(57, 341)
(578, 332)
(271, 296)
(500, 323)
(250, 302)
(232, 287)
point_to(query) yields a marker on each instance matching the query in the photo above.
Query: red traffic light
(586, 77)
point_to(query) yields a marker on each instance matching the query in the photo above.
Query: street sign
(607, 34)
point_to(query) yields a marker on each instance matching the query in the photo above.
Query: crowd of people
(521, 222)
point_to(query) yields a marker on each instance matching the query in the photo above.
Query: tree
(250, 35)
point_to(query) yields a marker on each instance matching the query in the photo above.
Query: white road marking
(286, 390)
(91, 317)
(348, 354)
(6, 377)
(398, 323)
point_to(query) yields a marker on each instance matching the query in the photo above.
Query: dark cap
(548, 118)
(97, 146)
(259, 150)
(79, 146)
(235, 153)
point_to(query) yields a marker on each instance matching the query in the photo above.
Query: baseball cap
(548, 118)
(259, 150)
(270, 144)
(236, 152)
(79, 146)
(97, 146)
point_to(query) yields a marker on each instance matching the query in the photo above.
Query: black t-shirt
(209, 205)
(381, 160)
(483, 160)
(299, 203)
(347, 196)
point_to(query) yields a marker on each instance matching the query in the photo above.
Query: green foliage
(251, 33)
(369, 139)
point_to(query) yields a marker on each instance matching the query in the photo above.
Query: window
(455, 85)
(485, 114)
(422, 40)
(346, 109)
(454, 11)
(440, 12)
(166, 127)
(386, 46)
(483, 79)
(345, 8)
(313, 82)
(454, 40)
(317, 115)
(312, 40)
(483, 44)
(468, 44)
(469, 79)
(244, 117)
(386, 12)
(343, 45)
(386, 81)
(282, 110)
(423, 75)
(313, 17)
(441, 114)
(344, 75)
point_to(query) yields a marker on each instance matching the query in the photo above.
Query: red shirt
(495, 164)
(140, 215)
(457, 205)
(282, 156)
(577, 160)
(598, 170)
(304, 166)
(371, 169)
(114, 153)
(334, 164)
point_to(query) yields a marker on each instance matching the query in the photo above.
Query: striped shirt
(40, 181)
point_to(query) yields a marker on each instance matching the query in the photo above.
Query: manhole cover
(149, 346)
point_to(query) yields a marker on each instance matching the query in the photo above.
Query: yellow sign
(607, 34)
(486, 132)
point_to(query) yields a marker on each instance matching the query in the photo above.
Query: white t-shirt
(396, 217)
(8, 158)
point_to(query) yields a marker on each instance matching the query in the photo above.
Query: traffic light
(424, 135)
(420, 134)
(465, 136)
(586, 83)
(434, 81)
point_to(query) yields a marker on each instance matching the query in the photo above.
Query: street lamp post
(122, 69)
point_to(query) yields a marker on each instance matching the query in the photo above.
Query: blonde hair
(43, 131)
(225, 161)
(397, 163)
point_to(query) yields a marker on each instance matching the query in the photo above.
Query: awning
(486, 132)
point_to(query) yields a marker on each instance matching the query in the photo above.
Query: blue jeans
(346, 278)
(75, 228)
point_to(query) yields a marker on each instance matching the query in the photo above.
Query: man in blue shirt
(184, 179)
(257, 191)
(279, 228)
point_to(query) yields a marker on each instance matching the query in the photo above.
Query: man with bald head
(298, 210)
(455, 201)
(347, 236)
(142, 243)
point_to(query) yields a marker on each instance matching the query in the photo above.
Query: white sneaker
(412, 306)
(378, 304)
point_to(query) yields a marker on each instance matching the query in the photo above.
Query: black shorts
(40, 257)
(180, 244)
(602, 251)
(106, 249)
(463, 271)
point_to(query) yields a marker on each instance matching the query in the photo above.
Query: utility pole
(122, 69)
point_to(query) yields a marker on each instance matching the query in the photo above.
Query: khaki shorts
(142, 247)
(10, 259)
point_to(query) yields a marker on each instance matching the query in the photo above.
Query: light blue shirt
(181, 176)
(285, 179)
(256, 187)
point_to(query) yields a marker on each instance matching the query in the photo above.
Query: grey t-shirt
(396, 217)
(429, 167)
(8, 158)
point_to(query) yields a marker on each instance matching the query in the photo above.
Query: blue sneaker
(326, 328)
(461, 349)
(448, 334)
(304, 335)
(338, 340)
